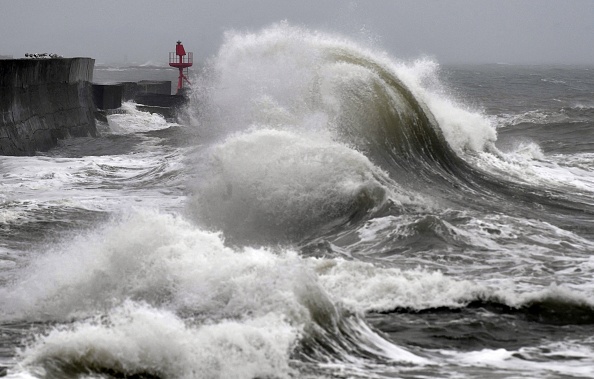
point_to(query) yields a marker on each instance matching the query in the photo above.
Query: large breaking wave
(311, 131)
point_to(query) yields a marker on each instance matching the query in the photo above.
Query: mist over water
(323, 210)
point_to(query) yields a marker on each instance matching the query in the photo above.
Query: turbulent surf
(321, 210)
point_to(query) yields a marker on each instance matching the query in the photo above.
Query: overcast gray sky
(450, 31)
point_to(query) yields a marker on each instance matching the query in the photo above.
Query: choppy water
(322, 210)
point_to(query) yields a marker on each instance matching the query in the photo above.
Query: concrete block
(108, 96)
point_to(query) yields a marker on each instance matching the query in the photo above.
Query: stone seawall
(43, 100)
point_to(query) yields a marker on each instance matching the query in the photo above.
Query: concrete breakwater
(153, 96)
(44, 100)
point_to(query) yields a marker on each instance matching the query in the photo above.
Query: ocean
(320, 209)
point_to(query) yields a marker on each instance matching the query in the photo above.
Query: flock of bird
(42, 55)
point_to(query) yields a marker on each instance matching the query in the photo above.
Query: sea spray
(309, 131)
(273, 186)
(159, 273)
(136, 339)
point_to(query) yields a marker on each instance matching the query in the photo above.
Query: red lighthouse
(182, 61)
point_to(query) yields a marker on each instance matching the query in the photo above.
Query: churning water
(322, 210)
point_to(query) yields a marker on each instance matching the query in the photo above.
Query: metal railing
(174, 58)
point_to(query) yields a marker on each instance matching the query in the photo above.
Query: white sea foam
(568, 358)
(135, 338)
(36, 186)
(133, 120)
(159, 259)
(493, 246)
(365, 287)
(583, 105)
(526, 163)
(464, 128)
(184, 285)
(532, 117)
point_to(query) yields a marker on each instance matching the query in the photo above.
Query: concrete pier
(43, 100)
(152, 96)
